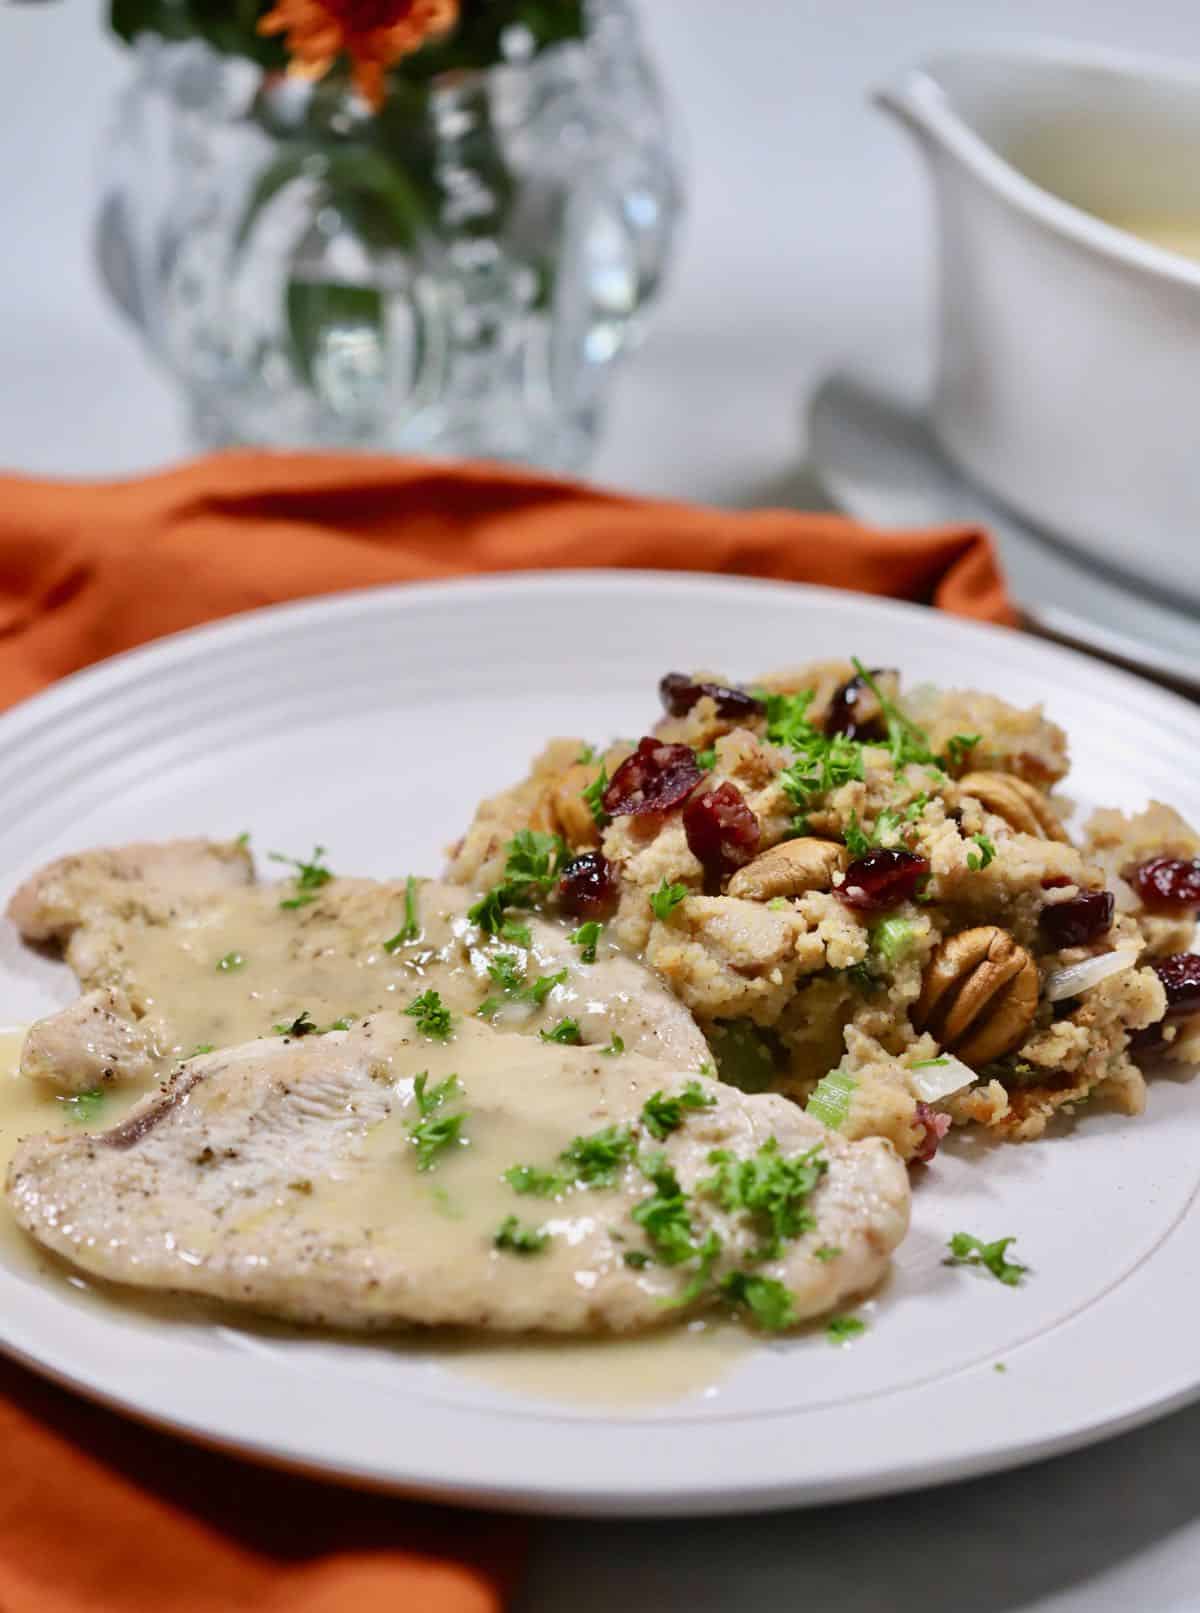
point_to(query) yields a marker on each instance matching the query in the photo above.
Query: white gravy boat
(1069, 374)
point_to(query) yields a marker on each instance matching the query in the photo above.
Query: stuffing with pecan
(870, 900)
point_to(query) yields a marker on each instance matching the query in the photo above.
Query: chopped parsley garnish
(430, 1099)
(981, 854)
(200, 1048)
(860, 977)
(519, 1240)
(823, 762)
(707, 1255)
(310, 876)
(666, 899)
(771, 1188)
(528, 1180)
(929, 1064)
(566, 1033)
(533, 861)
(706, 760)
(586, 755)
(662, 1115)
(410, 930)
(639, 1259)
(664, 1217)
(432, 1016)
(595, 1160)
(841, 1329)
(827, 1251)
(230, 962)
(906, 740)
(517, 935)
(585, 938)
(616, 1046)
(787, 718)
(242, 841)
(858, 842)
(967, 1250)
(434, 1132)
(768, 1301)
(958, 748)
(85, 1106)
(302, 1025)
(508, 972)
(594, 796)
(885, 832)
(543, 986)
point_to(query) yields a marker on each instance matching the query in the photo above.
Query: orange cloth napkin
(100, 1515)
(86, 571)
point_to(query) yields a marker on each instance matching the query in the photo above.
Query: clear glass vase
(459, 274)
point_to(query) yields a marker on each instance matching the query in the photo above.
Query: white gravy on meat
(233, 968)
(681, 1361)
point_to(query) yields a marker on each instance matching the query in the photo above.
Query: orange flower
(374, 34)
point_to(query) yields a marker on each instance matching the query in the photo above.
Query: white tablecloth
(806, 245)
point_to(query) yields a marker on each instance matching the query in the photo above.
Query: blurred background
(806, 243)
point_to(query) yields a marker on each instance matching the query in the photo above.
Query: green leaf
(772, 1188)
(768, 1301)
(432, 1016)
(661, 1115)
(841, 1329)
(667, 898)
(519, 1240)
(968, 1250)
(410, 930)
(566, 1033)
(539, 1184)
(314, 307)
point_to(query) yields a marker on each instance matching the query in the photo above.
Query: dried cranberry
(588, 886)
(934, 1126)
(721, 830)
(855, 710)
(1168, 884)
(883, 878)
(654, 779)
(1149, 1039)
(1079, 919)
(1180, 975)
(679, 694)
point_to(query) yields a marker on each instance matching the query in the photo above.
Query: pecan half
(1022, 807)
(790, 869)
(979, 994)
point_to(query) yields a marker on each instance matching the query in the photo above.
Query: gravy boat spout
(1066, 186)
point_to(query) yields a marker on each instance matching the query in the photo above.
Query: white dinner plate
(372, 723)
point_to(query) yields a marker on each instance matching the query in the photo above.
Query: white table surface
(807, 245)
